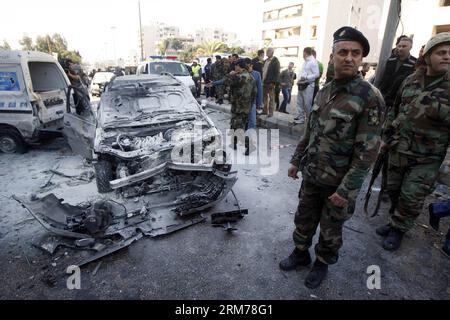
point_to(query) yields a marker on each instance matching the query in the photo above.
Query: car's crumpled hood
(155, 120)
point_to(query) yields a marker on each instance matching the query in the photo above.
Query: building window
(291, 12)
(268, 34)
(286, 52)
(313, 32)
(271, 15)
(284, 13)
(287, 33)
(442, 28)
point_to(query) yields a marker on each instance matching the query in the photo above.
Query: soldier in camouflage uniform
(340, 144)
(243, 92)
(417, 134)
(220, 70)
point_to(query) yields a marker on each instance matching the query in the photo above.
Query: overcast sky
(88, 25)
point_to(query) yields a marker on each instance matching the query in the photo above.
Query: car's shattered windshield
(175, 68)
(134, 102)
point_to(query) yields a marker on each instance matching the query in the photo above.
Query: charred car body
(150, 140)
(151, 136)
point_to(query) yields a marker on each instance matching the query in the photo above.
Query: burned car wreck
(153, 136)
(153, 144)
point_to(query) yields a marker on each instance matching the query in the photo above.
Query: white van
(176, 68)
(33, 89)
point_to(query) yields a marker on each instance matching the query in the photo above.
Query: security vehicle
(162, 65)
(33, 89)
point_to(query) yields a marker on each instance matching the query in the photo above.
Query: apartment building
(422, 19)
(291, 25)
(214, 34)
(154, 33)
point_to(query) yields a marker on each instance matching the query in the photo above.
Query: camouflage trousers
(220, 92)
(409, 183)
(315, 209)
(240, 110)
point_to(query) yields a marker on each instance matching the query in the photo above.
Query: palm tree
(163, 46)
(209, 48)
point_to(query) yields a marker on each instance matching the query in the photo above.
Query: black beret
(351, 34)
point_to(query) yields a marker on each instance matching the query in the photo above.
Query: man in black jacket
(271, 75)
(207, 77)
(398, 68)
(258, 62)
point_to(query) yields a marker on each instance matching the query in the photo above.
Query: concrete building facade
(291, 25)
(154, 33)
(422, 19)
(214, 34)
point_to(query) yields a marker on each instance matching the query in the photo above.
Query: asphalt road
(203, 262)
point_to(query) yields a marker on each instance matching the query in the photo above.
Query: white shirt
(310, 70)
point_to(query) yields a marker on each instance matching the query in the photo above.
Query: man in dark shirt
(398, 68)
(258, 62)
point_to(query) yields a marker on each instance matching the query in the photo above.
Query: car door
(49, 87)
(79, 123)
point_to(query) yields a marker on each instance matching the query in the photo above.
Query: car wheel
(11, 142)
(103, 175)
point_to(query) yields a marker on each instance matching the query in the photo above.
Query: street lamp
(113, 29)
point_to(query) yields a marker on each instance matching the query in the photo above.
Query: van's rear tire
(103, 175)
(11, 142)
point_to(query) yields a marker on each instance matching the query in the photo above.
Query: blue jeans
(251, 122)
(286, 97)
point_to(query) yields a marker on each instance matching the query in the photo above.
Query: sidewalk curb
(280, 121)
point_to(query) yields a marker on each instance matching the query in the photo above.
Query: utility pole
(140, 32)
(393, 20)
(113, 29)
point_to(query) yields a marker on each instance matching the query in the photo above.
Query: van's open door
(79, 123)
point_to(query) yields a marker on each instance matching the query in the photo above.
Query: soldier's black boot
(383, 230)
(434, 219)
(296, 259)
(249, 147)
(446, 247)
(393, 240)
(316, 275)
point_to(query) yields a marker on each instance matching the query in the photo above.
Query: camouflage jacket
(418, 124)
(242, 87)
(342, 137)
(221, 69)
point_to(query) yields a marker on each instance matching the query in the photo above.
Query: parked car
(99, 81)
(176, 68)
(33, 89)
(151, 136)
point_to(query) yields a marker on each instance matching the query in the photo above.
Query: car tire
(103, 175)
(11, 142)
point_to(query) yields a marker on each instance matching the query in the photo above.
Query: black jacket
(207, 76)
(258, 65)
(273, 73)
(391, 80)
